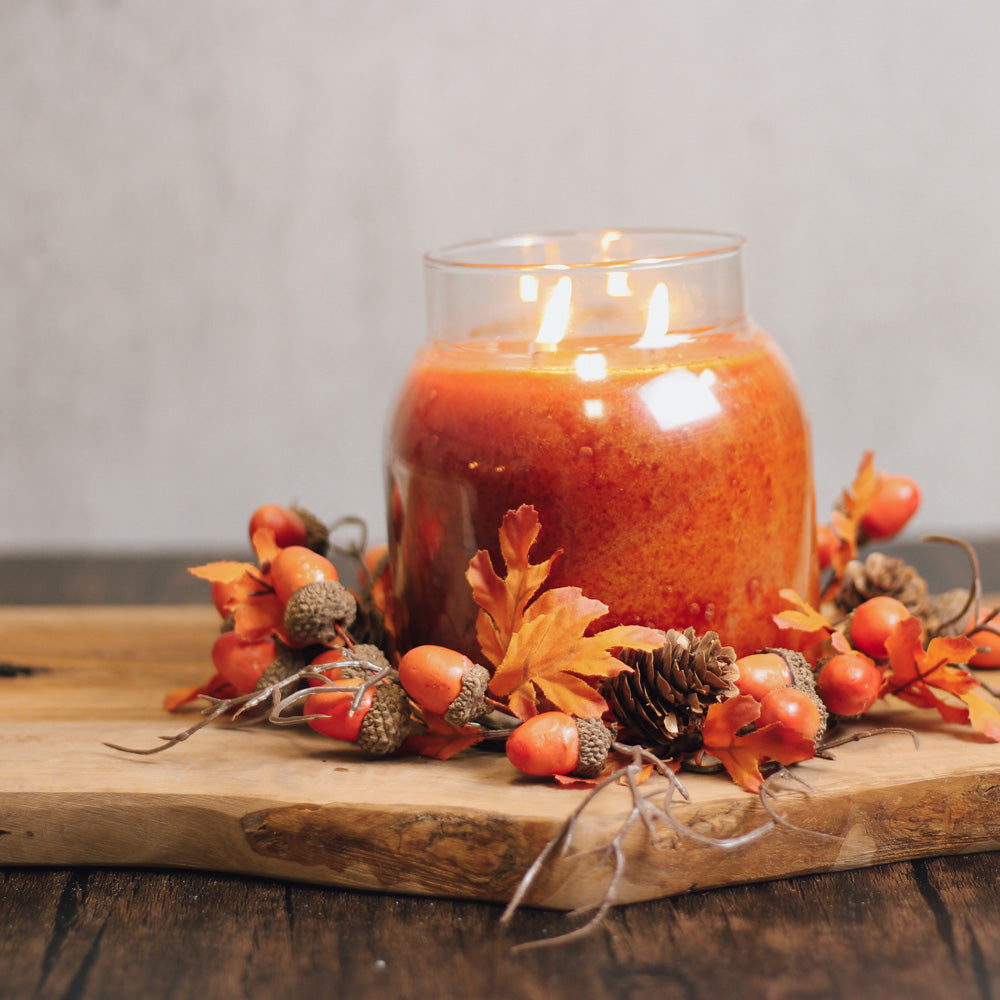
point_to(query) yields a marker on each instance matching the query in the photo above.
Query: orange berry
(895, 501)
(334, 710)
(872, 623)
(762, 672)
(288, 527)
(242, 662)
(793, 708)
(849, 684)
(827, 543)
(545, 744)
(988, 643)
(371, 560)
(295, 566)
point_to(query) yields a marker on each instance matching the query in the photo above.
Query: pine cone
(665, 698)
(943, 613)
(881, 575)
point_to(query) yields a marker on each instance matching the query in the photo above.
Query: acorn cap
(468, 703)
(387, 723)
(369, 653)
(804, 679)
(317, 533)
(287, 662)
(314, 611)
(595, 742)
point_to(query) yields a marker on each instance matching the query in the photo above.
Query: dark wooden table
(928, 928)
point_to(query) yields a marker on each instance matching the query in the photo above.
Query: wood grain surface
(292, 805)
(921, 929)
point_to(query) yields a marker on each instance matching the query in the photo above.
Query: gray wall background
(212, 215)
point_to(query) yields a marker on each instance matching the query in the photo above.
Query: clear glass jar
(614, 381)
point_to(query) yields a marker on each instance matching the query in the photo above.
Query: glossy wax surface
(677, 481)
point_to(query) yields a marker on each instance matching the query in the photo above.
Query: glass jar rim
(463, 256)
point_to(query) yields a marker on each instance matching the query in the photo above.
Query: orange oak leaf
(441, 739)
(259, 616)
(502, 601)
(742, 755)
(551, 656)
(257, 612)
(265, 546)
(846, 521)
(802, 616)
(919, 676)
(224, 571)
(214, 687)
(811, 625)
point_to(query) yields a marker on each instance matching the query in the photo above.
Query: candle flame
(657, 319)
(555, 319)
(529, 288)
(617, 286)
(591, 367)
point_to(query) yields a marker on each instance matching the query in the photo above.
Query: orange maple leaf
(538, 643)
(214, 687)
(224, 571)
(742, 755)
(502, 601)
(845, 522)
(802, 617)
(257, 613)
(441, 739)
(917, 675)
(550, 655)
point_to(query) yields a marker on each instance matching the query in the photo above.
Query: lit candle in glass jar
(615, 382)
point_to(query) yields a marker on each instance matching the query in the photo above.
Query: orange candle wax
(676, 480)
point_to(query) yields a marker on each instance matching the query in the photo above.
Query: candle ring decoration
(614, 381)
(602, 555)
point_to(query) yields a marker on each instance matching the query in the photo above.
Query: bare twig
(887, 731)
(975, 589)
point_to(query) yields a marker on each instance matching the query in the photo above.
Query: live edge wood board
(290, 804)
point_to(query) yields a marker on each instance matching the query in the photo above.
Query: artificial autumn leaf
(538, 646)
(259, 616)
(846, 522)
(441, 739)
(257, 613)
(802, 617)
(224, 571)
(265, 546)
(502, 601)
(810, 623)
(917, 675)
(214, 687)
(742, 755)
(550, 655)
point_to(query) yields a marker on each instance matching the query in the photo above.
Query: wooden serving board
(290, 804)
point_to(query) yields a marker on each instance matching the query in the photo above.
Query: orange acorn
(556, 743)
(444, 682)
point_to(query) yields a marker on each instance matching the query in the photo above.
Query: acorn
(771, 669)
(445, 682)
(317, 533)
(314, 611)
(379, 725)
(557, 743)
